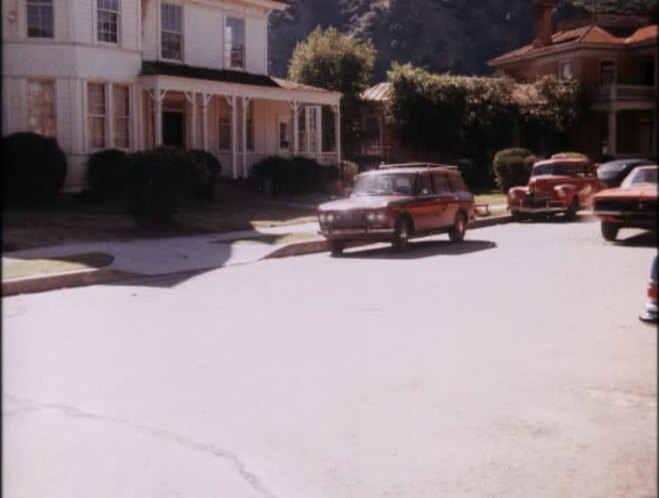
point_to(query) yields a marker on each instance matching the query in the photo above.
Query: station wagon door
(445, 199)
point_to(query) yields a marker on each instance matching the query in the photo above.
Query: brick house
(614, 57)
(135, 74)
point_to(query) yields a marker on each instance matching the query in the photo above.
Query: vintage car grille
(536, 199)
(349, 219)
(626, 205)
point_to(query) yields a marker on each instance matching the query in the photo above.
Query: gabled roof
(573, 38)
(153, 68)
(377, 93)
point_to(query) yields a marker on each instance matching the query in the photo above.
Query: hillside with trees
(438, 36)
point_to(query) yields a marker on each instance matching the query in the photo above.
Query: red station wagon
(398, 202)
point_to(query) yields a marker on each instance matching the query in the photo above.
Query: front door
(172, 128)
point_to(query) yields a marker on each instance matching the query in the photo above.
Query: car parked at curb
(560, 185)
(398, 202)
(633, 204)
(650, 309)
(612, 173)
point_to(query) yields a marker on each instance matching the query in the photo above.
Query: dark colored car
(633, 204)
(650, 310)
(398, 202)
(560, 185)
(612, 173)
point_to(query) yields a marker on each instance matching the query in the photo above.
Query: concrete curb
(321, 245)
(44, 283)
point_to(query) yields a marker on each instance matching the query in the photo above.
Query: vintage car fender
(517, 192)
(566, 191)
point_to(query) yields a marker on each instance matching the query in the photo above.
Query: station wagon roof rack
(417, 165)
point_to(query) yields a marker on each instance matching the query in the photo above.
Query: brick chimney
(542, 15)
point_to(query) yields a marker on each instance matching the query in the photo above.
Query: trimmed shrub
(512, 167)
(273, 174)
(159, 182)
(208, 168)
(308, 175)
(34, 168)
(348, 172)
(106, 173)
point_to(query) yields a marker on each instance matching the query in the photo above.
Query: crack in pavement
(72, 411)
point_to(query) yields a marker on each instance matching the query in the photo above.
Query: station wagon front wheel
(337, 247)
(402, 234)
(457, 233)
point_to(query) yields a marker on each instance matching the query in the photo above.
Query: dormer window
(171, 31)
(235, 42)
(40, 19)
(107, 21)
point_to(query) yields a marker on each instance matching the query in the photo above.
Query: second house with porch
(135, 74)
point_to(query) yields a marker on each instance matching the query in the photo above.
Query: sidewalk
(175, 255)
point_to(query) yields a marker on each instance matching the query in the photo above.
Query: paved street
(511, 365)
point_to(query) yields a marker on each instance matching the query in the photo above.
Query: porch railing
(627, 92)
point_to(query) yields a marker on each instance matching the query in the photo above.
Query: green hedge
(159, 182)
(106, 173)
(279, 175)
(34, 169)
(512, 167)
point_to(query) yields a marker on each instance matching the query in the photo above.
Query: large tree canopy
(333, 60)
(459, 36)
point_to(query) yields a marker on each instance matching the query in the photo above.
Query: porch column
(109, 99)
(157, 97)
(655, 130)
(191, 97)
(337, 130)
(243, 106)
(234, 136)
(205, 98)
(612, 137)
(319, 133)
(295, 108)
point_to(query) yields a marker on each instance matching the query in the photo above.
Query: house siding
(203, 37)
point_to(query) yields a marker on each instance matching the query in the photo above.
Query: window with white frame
(224, 124)
(121, 116)
(40, 19)
(607, 73)
(565, 71)
(96, 115)
(235, 42)
(171, 31)
(107, 21)
(41, 108)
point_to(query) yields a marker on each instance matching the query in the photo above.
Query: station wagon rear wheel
(402, 235)
(457, 233)
(609, 231)
(337, 247)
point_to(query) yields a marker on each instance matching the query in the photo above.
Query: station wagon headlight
(376, 217)
(330, 218)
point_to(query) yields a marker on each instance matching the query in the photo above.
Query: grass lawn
(83, 221)
(17, 268)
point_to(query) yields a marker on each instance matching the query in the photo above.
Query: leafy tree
(335, 61)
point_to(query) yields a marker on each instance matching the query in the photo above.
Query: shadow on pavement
(645, 239)
(423, 249)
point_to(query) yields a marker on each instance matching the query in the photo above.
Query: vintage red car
(633, 204)
(560, 185)
(398, 202)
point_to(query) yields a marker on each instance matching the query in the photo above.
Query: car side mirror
(347, 190)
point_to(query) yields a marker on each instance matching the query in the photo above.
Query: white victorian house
(134, 74)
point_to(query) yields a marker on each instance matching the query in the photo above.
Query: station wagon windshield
(567, 169)
(384, 184)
